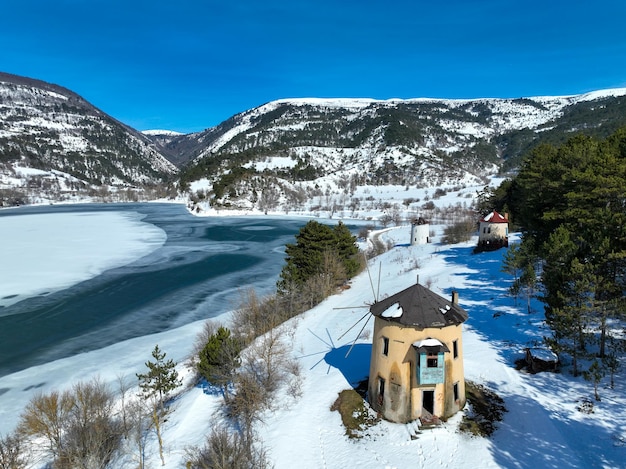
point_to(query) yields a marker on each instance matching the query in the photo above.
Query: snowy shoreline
(542, 427)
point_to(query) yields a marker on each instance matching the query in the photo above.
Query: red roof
(494, 217)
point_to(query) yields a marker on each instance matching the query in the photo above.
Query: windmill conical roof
(419, 307)
(494, 217)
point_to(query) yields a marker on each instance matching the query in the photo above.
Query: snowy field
(542, 428)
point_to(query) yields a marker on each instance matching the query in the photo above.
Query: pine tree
(346, 248)
(219, 358)
(315, 242)
(594, 374)
(512, 264)
(161, 378)
(569, 201)
(156, 384)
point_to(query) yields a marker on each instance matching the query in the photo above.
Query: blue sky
(187, 65)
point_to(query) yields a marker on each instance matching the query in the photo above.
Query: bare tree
(385, 220)
(46, 416)
(93, 431)
(12, 452)
(225, 450)
(269, 360)
(264, 360)
(246, 404)
(137, 423)
(396, 215)
(255, 316)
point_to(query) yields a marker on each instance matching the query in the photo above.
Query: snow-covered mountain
(300, 144)
(50, 128)
(438, 124)
(285, 151)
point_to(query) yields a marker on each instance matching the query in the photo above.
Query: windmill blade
(370, 277)
(353, 307)
(357, 338)
(339, 338)
(380, 266)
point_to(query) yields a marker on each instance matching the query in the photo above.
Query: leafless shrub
(12, 452)
(46, 417)
(225, 450)
(93, 433)
(136, 425)
(365, 334)
(266, 360)
(79, 425)
(294, 386)
(364, 231)
(255, 316)
(266, 367)
(247, 402)
(13, 197)
(459, 232)
(378, 248)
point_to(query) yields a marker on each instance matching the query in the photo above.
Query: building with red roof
(493, 232)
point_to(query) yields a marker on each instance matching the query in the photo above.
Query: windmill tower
(493, 232)
(419, 231)
(416, 366)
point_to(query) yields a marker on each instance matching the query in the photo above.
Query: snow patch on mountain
(158, 132)
(275, 162)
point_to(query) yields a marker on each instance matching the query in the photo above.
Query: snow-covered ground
(542, 427)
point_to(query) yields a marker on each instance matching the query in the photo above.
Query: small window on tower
(385, 346)
(432, 360)
(381, 391)
(455, 349)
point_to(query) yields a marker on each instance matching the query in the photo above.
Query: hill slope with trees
(570, 202)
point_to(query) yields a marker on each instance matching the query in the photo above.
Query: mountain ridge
(52, 129)
(290, 144)
(307, 141)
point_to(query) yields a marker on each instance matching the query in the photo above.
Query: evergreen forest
(569, 202)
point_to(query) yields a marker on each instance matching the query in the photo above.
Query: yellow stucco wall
(402, 400)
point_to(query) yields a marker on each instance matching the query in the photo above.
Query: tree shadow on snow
(209, 389)
(535, 432)
(533, 438)
(493, 312)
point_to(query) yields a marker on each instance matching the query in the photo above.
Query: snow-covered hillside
(542, 428)
(290, 149)
(498, 114)
(318, 145)
(50, 128)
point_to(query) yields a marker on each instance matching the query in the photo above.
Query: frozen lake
(90, 289)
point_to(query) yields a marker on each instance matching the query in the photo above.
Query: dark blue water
(198, 273)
